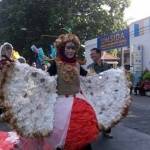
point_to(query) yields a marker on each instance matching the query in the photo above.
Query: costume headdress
(62, 40)
(4, 48)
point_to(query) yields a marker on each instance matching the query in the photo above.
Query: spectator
(136, 89)
(98, 65)
(22, 59)
(34, 64)
(44, 67)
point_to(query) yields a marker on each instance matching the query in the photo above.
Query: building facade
(137, 56)
(139, 47)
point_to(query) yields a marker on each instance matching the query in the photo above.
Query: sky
(138, 9)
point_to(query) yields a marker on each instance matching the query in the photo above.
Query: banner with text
(114, 40)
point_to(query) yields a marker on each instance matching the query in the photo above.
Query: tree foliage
(24, 22)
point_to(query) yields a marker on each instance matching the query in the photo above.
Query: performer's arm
(83, 72)
(52, 70)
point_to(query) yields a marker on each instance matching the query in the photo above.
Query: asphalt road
(133, 132)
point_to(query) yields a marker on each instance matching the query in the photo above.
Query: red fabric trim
(73, 60)
(5, 145)
(24, 143)
(83, 128)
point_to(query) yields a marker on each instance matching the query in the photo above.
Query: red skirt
(7, 142)
(83, 127)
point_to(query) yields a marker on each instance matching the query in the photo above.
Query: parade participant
(44, 67)
(6, 51)
(21, 59)
(74, 116)
(82, 117)
(34, 64)
(15, 55)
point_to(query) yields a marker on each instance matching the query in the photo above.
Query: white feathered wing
(28, 95)
(108, 93)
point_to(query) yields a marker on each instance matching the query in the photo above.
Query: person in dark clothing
(98, 65)
(44, 67)
(136, 88)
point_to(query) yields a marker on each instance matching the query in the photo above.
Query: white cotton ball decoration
(108, 93)
(28, 95)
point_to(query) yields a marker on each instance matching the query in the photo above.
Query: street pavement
(133, 132)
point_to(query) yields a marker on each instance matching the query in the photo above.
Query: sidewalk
(124, 139)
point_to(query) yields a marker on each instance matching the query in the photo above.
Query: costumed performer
(75, 123)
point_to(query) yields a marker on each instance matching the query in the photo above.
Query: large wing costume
(108, 93)
(28, 96)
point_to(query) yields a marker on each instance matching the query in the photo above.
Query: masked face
(70, 50)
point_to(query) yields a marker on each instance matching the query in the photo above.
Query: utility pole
(122, 57)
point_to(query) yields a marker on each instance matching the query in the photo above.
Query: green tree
(24, 22)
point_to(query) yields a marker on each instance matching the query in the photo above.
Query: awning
(112, 62)
(106, 56)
